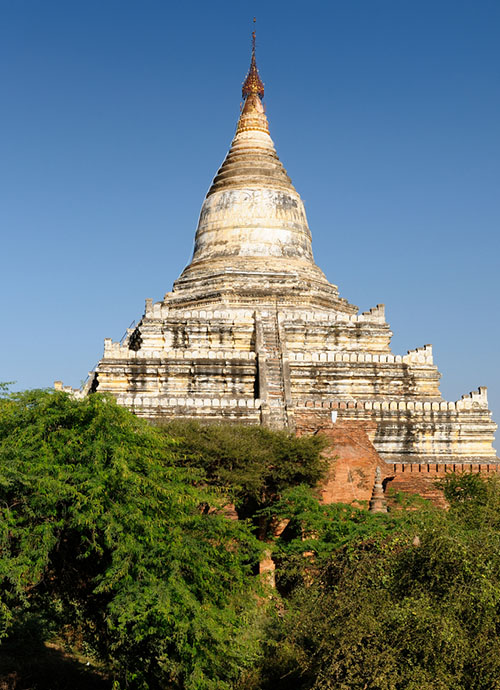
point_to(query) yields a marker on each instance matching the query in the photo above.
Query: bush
(393, 612)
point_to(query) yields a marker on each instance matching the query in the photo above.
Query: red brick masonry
(353, 460)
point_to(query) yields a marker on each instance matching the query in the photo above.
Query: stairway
(271, 379)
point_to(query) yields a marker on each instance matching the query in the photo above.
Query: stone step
(274, 370)
(274, 380)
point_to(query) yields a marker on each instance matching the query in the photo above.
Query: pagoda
(253, 332)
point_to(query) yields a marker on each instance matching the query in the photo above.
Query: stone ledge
(469, 401)
(421, 355)
(194, 403)
(116, 351)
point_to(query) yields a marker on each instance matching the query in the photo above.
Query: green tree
(102, 534)
(464, 488)
(320, 531)
(393, 612)
(253, 465)
(4, 388)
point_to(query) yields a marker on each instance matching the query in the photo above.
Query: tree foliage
(114, 538)
(101, 530)
(416, 607)
(252, 464)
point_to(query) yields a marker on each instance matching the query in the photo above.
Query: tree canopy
(115, 542)
(410, 601)
(251, 464)
(101, 530)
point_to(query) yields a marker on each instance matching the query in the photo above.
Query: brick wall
(353, 460)
(412, 478)
(352, 457)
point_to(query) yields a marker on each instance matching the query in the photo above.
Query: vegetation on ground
(121, 566)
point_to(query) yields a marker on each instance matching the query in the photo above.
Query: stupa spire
(253, 83)
(253, 221)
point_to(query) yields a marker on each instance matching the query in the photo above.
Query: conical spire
(253, 221)
(252, 159)
(253, 82)
(253, 116)
(378, 504)
(252, 209)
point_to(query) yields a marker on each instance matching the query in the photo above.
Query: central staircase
(272, 371)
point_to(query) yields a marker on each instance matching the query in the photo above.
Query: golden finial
(253, 83)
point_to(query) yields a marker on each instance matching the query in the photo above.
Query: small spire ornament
(253, 83)
(378, 503)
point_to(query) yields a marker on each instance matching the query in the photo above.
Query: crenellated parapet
(76, 393)
(418, 431)
(119, 351)
(162, 310)
(198, 403)
(421, 355)
(240, 410)
(376, 313)
(474, 400)
(439, 471)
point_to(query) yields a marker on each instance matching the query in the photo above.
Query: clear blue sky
(116, 114)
